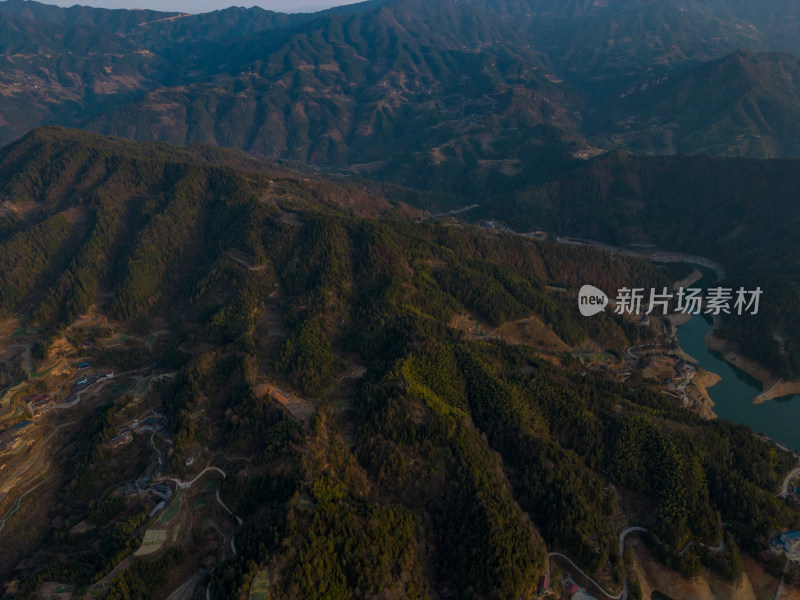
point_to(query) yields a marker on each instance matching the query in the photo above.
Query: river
(778, 419)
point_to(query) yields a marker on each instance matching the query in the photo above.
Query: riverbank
(686, 282)
(653, 255)
(772, 386)
(703, 380)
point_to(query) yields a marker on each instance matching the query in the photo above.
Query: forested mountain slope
(741, 213)
(740, 105)
(430, 463)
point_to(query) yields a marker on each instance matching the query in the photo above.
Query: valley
(293, 305)
(178, 449)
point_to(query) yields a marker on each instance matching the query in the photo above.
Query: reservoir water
(779, 419)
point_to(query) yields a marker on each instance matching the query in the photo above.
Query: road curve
(624, 534)
(187, 484)
(787, 481)
(238, 520)
(623, 594)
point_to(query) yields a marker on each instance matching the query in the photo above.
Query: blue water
(779, 419)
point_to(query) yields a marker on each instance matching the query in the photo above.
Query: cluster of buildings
(120, 440)
(795, 493)
(494, 226)
(684, 372)
(39, 404)
(82, 383)
(10, 438)
(788, 542)
(143, 486)
(574, 591)
(151, 480)
(791, 541)
(154, 421)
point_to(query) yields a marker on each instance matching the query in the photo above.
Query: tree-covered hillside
(741, 213)
(738, 105)
(428, 462)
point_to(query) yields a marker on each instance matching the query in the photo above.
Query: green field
(600, 357)
(260, 586)
(152, 542)
(172, 510)
(22, 331)
(306, 503)
(118, 340)
(168, 515)
(37, 374)
(8, 387)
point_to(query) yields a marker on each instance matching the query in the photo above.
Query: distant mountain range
(462, 97)
(744, 104)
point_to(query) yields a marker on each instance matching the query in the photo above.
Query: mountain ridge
(461, 458)
(748, 93)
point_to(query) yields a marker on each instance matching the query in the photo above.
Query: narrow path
(19, 500)
(244, 263)
(774, 385)
(112, 575)
(153, 443)
(688, 545)
(620, 596)
(356, 372)
(623, 595)
(185, 589)
(248, 459)
(187, 484)
(455, 211)
(233, 545)
(624, 534)
(230, 512)
(786, 482)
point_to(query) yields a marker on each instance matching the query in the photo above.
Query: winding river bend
(778, 419)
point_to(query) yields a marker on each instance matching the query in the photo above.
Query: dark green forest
(739, 213)
(525, 108)
(372, 382)
(456, 464)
